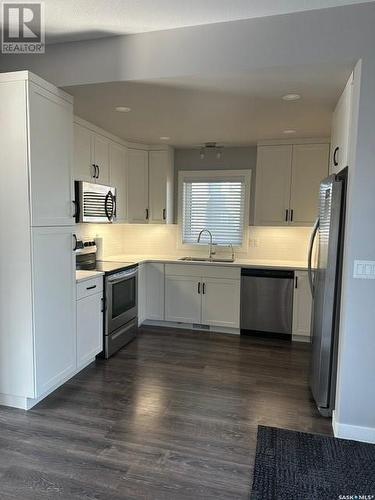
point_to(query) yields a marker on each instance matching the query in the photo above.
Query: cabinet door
(54, 295)
(137, 188)
(302, 301)
(273, 177)
(182, 300)
(118, 174)
(221, 302)
(309, 167)
(51, 158)
(83, 156)
(158, 167)
(89, 328)
(141, 293)
(155, 291)
(101, 159)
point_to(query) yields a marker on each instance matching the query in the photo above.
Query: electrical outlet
(364, 269)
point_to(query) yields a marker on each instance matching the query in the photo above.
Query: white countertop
(173, 259)
(87, 275)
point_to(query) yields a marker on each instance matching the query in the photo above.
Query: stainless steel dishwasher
(267, 301)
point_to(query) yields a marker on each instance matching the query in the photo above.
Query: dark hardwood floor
(172, 416)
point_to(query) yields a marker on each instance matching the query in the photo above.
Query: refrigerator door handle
(309, 259)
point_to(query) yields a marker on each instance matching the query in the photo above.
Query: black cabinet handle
(90, 287)
(204, 288)
(97, 175)
(75, 242)
(147, 213)
(94, 173)
(296, 282)
(335, 162)
(199, 287)
(291, 215)
(286, 215)
(164, 214)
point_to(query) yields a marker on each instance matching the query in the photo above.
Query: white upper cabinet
(101, 158)
(137, 186)
(341, 120)
(309, 167)
(118, 178)
(273, 185)
(84, 169)
(51, 155)
(287, 183)
(91, 156)
(160, 187)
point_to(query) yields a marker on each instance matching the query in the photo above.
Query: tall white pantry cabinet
(37, 268)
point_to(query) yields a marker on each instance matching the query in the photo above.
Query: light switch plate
(364, 269)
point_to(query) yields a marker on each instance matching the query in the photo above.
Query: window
(215, 200)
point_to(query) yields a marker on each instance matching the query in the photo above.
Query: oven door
(121, 298)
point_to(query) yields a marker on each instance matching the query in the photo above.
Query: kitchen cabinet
(208, 295)
(273, 177)
(302, 304)
(37, 287)
(137, 188)
(154, 291)
(89, 320)
(141, 293)
(341, 121)
(160, 187)
(287, 183)
(118, 178)
(91, 156)
(220, 302)
(309, 167)
(53, 279)
(182, 299)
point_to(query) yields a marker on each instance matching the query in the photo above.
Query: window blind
(214, 205)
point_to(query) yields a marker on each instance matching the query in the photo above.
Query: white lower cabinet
(182, 299)
(207, 295)
(221, 302)
(302, 303)
(154, 300)
(89, 324)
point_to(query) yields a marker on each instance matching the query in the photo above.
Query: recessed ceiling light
(122, 109)
(291, 97)
(289, 131)
(164, 138)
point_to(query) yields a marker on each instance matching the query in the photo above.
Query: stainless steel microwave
(95, 202)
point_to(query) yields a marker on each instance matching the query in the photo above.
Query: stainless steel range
(120, 296)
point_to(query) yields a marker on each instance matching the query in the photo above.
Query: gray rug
(299, 466)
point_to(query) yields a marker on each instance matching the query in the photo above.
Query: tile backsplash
(268, 243)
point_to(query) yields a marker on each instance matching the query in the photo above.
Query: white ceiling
(236, 110)
(70, 20)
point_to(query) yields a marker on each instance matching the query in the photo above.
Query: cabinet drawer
(89, 287)
(204, 271)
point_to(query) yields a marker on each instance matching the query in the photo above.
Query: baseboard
(190, 326)
(353, 432)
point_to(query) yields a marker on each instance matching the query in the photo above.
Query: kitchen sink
(204, 259)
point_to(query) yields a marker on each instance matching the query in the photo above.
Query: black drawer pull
(90, 287)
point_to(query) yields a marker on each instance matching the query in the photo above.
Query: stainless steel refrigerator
(325, 282)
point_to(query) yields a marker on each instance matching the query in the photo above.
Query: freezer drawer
(267, 301)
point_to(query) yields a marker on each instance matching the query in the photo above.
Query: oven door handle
(126, 276)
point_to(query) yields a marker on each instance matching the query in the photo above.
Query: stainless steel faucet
(211, 253)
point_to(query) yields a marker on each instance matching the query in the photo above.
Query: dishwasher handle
(267, 273)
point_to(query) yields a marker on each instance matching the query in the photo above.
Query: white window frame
(214, 175)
